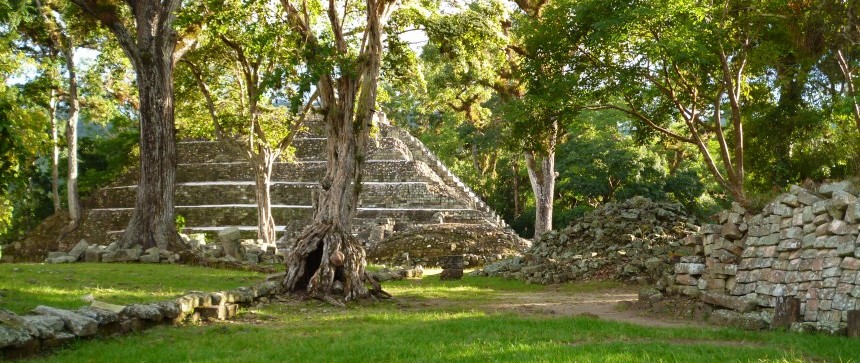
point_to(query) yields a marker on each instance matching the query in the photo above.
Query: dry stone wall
(47, 327)
(804, 245)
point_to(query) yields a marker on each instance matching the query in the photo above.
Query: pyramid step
(113, 219)
(306, 149)
(303, 171)
(374, 194)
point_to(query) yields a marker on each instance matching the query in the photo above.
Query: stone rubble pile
(803, 246)
(426, 244)
(47, 327)
(630, 240)
(228, 249)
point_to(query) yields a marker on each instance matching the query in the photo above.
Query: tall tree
(62, 41)
(482, 54)
(678, 68)
(326, 260)
(263, 53)
(145, 31)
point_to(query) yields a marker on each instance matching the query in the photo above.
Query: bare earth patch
(609, 304)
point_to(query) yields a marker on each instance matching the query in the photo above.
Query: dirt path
(608, 304)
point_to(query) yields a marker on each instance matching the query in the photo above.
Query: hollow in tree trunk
(325, 260)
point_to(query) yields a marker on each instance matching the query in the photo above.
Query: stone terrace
(404, 183)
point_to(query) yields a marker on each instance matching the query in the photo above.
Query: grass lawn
(24, 286)
(414, 328)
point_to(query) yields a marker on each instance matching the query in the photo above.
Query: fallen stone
(43, 326)
(748, 321)
(736, 303)
(12, 337)
(101, 316)
(143, 311)
(78, 251)
(78, 324)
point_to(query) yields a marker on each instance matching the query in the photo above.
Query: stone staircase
(404, 183)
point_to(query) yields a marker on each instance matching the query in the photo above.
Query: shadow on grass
(380, 334)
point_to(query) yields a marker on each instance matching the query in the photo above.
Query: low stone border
(25, 335)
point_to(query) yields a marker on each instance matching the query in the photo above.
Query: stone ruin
(633, 240)
(405, 187)
(793, 265)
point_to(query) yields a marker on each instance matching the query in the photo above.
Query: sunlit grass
(24, 286)
(400, 330)
(381, 333)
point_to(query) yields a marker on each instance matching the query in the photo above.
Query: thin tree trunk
(850, 90)
(152, 222)
(263, 163)
(516, 170)
(541, 169)
(72, 141)
(55, 152)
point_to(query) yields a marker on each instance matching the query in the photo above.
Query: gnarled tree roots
(329, 264)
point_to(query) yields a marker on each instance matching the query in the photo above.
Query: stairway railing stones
(450, 178)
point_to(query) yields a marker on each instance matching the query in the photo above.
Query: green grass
(24, 286)
(417, 329)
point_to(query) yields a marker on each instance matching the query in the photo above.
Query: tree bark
(263, 163)
(55, 152)
(73, 198)
(541, 169)
(151, 48)
(516, 185)
(326, 260)
(152, 223)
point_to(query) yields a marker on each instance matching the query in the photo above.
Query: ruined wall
(802, 245)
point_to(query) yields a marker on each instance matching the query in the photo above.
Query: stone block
(79, 325)
(736, 303)
(695, 269)
(78, 251)
(731, 231)
(789, 245)
(850, 263)
(748, 321)
(13, 337)
(229, 238)
(451, 274)
(686, 280)
(829, 189)
(806, 198)
(840, 227)
(150, 312)
(42, 326)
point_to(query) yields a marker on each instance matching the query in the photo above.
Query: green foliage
(179, 222)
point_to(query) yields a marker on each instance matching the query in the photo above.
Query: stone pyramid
(406, 187)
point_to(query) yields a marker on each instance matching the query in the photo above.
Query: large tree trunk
(55, 152)
(326, 260)
(541, 169)
(152, 223)
(72, 141)
(263, 163)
